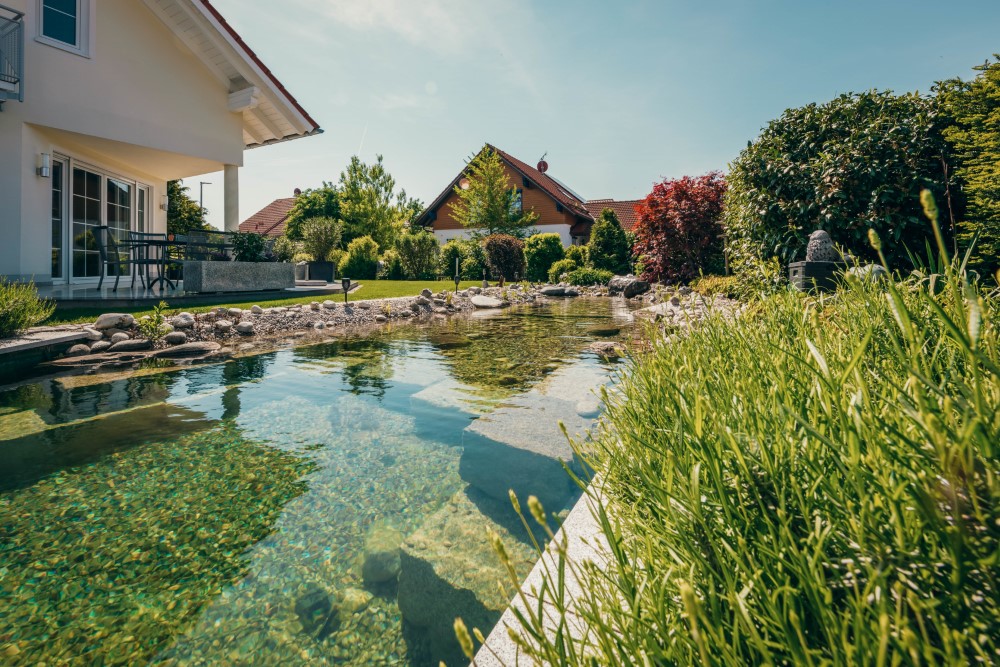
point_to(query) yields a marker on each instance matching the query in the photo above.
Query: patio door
(85, 217)
(60, 194)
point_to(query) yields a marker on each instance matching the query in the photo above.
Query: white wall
(140, 106)
(445, 235)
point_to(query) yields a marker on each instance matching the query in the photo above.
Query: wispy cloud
(390, 102)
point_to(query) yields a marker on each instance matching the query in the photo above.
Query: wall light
(44, 165)
(164, 203)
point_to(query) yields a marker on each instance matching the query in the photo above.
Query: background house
(560, 210)
(270, 220)
(108, 100)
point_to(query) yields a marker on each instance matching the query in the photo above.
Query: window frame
(84, 29)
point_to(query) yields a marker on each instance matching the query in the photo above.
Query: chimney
(297, 192)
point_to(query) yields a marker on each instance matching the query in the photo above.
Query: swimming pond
(317, 504)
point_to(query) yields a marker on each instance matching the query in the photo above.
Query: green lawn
(372, 289)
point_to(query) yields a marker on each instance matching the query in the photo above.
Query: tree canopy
(608, 248)
(490, 205)
(370, 205)
(184, 215)
(322, 202)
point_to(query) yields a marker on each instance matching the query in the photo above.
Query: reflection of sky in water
(379, 421)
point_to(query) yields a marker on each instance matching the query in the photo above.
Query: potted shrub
(320, 238)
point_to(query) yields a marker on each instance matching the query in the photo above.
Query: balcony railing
(11, 54)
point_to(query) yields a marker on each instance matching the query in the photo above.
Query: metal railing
(11, 54)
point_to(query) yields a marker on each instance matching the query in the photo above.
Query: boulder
(223, 326)
(189, 349)
(571, 291)
(381, 318)
(423, 300)
(114, 321)
(100, 346)
(131, 346)
(628, 286)
(475, 290)
(487, 302)
(119, 337)
(93, 334)
(245, 328)
(329, 304)
(315, 611)
(175, 338)
(426, 293)
(314, 305)
(256, 310)
(381, 560)
(78, 351)
(363, 305)
(553, 290)
(182, 322)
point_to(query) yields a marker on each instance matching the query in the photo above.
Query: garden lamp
(346, 284)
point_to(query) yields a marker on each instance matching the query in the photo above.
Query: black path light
(346, 284)
(458, 277)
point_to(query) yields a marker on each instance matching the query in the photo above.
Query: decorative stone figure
(821, 248)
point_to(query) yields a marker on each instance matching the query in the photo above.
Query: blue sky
(619, 94)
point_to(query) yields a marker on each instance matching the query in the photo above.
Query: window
(65, 24)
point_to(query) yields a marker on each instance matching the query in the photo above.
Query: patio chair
(112, 255)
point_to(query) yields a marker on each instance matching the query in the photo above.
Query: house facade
(103, 103)
(560, 210)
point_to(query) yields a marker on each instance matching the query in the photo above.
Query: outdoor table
(160, 245)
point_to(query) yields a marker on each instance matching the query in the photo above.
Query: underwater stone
(313, 609)
(381, 562)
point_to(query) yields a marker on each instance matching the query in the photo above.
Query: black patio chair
(142, 258)
(113, 255)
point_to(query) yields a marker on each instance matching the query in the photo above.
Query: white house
(103, 102)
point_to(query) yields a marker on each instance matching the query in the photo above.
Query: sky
(617, 94)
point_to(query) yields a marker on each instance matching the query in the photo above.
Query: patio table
(160, 245)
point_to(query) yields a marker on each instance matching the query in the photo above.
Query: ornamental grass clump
(816, 482)
(21, 308)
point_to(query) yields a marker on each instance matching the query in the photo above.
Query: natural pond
(323, 503)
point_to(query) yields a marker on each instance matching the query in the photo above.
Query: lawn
(372, 289)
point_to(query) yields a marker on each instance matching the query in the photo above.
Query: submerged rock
(314, 610)
(381, 560)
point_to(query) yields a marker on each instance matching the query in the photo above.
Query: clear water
(219, 514)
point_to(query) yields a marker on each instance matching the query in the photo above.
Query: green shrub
(320, 237)
(21, 308)
(361, 260)
(854, 163)
(541, 251)
(391, 267)
(249, 247)
(418, 252)
(815, 482)
(608, 247)
(286, 249)
(563, 266)
(577, 253)
(474, 264)
(588, 276)
(451, 251)
(504, 256)
(727, 286)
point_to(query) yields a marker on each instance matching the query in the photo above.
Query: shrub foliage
(504, 256)
(857, 162)
(361, 260)
(21, 308)
(608, 248)
(587, 276)
(320, 237)
(541, 251)
(678, 234)
(418, 253)
(561, 268)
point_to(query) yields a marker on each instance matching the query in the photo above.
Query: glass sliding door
(141, 208)
(119, 211)
(58, 219)
(85, 217)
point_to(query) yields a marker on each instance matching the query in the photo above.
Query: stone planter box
(238, 276)
(321, 271)
(815, 276)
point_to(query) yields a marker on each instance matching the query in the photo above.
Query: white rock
(245, 328)
(223, 325)
(119, 337)
(486, 302)
(314, 305)
(256, 310)
(77, 351)
(181, 322)
(234, 312)
(329, 304)
(114, 321)
(93, 334)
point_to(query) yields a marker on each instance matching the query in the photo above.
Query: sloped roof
(625, 210)
(270, 220)
(270, 113)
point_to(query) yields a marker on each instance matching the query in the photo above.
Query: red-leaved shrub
(679, 231)
(504, 256)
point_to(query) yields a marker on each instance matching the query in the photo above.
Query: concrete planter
(321, 271)
(238, 276)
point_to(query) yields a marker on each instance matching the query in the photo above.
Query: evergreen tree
(609, 248)
(490, 205)
(184, 215)
(322, 202)
(973, 134)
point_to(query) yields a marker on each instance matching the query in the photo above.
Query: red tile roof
(270, 220)
(625, 210)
